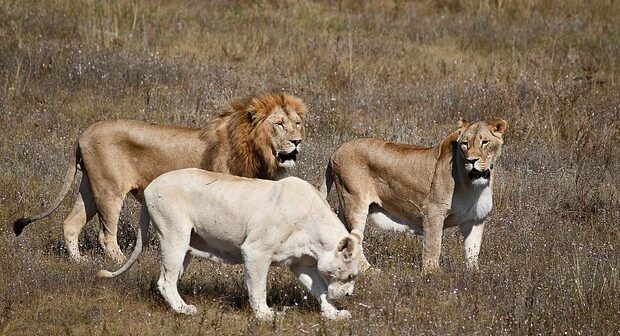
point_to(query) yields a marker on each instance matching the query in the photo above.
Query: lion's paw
(336, 314)
(264, 314)
(188, 310)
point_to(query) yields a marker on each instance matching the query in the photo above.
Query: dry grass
(397, 70)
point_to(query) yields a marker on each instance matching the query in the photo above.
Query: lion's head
(479, 145)
(256, 137)
(340, 269)
(278, 127)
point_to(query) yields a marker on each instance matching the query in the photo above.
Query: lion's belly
(390, 222)
(215, 249)
(221, 234)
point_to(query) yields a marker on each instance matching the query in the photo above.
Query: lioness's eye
(464, 144)
(485, 142)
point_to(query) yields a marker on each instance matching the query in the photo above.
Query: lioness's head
(479, 145)
(339, 269)
(278, 123)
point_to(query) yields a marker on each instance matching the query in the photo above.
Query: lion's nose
(295, 142)
(472, 160)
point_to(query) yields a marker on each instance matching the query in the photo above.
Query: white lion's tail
(143, 229)
(328, 180)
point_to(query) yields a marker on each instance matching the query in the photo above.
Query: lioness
(407, 188)
(255, 137)
(258, 223)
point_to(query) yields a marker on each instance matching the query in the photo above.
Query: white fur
(287, 164)
(470, 209)
(255, 222)
(473, 204)
(387, 222)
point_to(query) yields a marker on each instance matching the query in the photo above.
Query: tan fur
(420, 190)
(121, 156)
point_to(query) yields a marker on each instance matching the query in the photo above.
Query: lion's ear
(346, 247)
(251, 113)
(462, 125)
(498, 125)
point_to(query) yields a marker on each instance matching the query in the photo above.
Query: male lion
(255, 137)
(407, 188)
(238, 220)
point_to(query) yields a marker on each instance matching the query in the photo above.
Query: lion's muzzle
(475, 174)
(287, 158)
(290, 156)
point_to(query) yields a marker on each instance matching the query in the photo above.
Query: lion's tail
(20, 224)
(143, 230)
(328, 180)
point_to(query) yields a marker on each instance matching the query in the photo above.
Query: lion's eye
(280, 125)
(298, 124)
(485, 143)
(464, 145)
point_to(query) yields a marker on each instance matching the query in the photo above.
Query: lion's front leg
(433, 230)
(256, 270)
(311, 279)
(472, 232)
(354, 212)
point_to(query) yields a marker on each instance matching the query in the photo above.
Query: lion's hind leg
(83, 210)
(175, 258)
(109, 213)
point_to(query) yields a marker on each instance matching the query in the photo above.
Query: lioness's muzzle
(475, 174)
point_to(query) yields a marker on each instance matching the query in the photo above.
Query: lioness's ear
(462, 125)
(498, 125)
(346, 247)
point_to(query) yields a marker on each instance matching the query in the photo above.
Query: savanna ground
(402, 71)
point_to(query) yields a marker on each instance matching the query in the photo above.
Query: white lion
(258, 223)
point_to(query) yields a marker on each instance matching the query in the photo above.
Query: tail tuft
(20, 224)
(105, 274)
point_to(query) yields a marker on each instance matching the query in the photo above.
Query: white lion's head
(340, 267)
